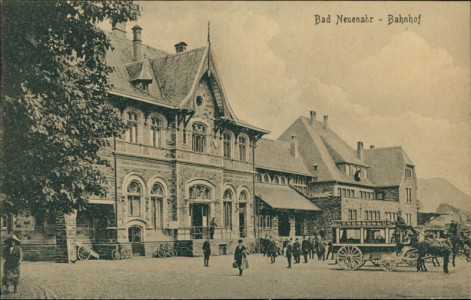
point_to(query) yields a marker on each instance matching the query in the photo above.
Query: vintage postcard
(193, 150)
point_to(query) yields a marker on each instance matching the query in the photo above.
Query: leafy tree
(57, 115)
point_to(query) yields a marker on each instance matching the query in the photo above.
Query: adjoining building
(187, 159)
(348, 184)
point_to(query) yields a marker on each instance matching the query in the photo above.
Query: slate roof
(283, 197)
(387, 165)
(324, 148)
(172, 78)
(276, 155)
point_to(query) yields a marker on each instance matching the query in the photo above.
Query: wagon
(358, 242)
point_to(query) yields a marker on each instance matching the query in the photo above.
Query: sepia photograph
(235, 149)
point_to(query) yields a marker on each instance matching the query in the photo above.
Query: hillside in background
(432, 192)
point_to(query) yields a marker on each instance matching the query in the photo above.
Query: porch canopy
(283, 197)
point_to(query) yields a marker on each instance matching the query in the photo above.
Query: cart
(84, 251)
(358, 242)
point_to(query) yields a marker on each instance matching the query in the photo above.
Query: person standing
(212, 226)
(297, 251)
(453, 229)
(206, 252)
(240, 257)
(272, 250)
(289, 251)
(330, 249)
(305, 248)
(312, 248)
(11, 267)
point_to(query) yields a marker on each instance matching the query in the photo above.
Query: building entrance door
(284, 227)
(199, 220)
(135, 238)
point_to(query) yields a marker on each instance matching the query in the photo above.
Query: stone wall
(331, 211)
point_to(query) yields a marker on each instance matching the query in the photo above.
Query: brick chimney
(137, 42)
(294, 146)
(180, 47)
(326, 122)
(360, 150)
(119, 30)
(312, 118)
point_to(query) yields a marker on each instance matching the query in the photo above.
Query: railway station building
(187, 161)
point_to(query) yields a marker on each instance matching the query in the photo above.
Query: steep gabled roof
(172, 78)
(387, 165)
(323, 147)
(276, 155)
(177, 73)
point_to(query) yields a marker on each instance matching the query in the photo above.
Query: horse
(433, 248)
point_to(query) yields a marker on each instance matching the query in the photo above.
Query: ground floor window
(265, 221)
(228, 215)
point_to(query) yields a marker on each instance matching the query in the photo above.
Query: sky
(385, 85)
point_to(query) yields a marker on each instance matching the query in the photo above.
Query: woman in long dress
(11, 268)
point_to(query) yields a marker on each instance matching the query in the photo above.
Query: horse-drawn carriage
(358, 242)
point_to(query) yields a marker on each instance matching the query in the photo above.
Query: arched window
(227, 145)
(131, 133)
(199, 137)
(242, 148)
(228, 209)
(157, 203)
(134, 198)
(243, 197)
(156, 132)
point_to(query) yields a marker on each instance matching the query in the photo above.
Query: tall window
(134, 198)
(409, 218)
(157, 198)
(156, 132)
(283, 180)
(408, 195)
(199, 137)
(228, 209)
(227, 145)
(132, 127)
(242, 148)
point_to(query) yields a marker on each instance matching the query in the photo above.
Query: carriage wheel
(82, 253)
(350, 258)
(411, 256)
(162, 253)
(388, 264)
(115, 255)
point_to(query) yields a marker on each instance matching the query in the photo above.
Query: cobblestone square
(183, 277)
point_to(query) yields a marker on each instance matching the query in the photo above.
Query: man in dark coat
(453, 229)
(305, 248)
(297, 251)
(212, 226)
(289, 251)
(240, 257)
(206, 252)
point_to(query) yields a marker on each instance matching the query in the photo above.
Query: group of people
(308, 248)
